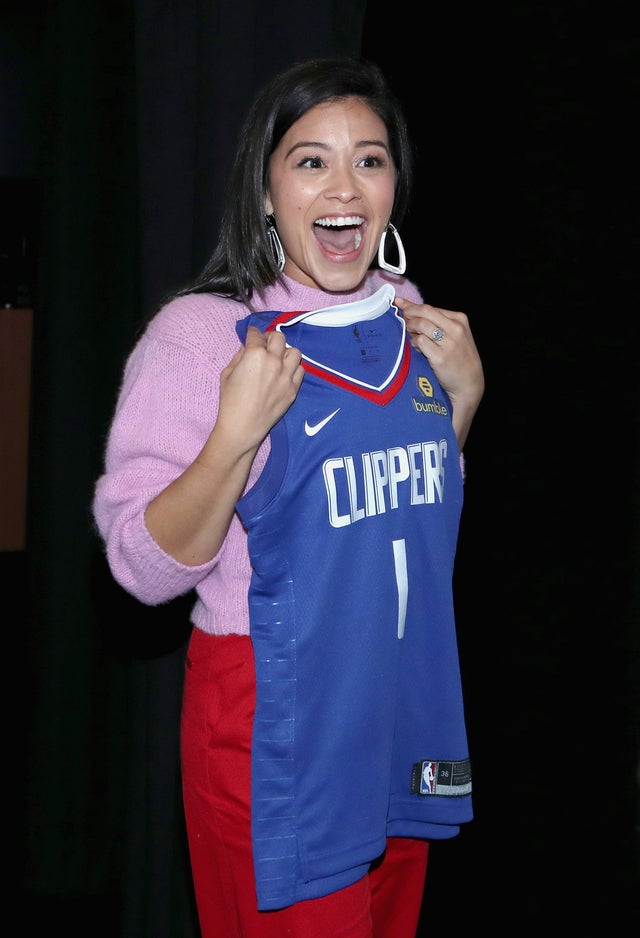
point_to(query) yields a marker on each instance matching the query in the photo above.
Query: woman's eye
(313, 162)
(371, 161)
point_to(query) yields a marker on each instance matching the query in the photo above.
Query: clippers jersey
(359, 730)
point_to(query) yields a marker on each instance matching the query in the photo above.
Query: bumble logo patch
(428, 407)
(425, 386)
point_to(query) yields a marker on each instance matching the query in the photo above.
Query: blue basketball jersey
(359, 730)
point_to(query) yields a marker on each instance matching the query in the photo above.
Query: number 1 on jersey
(402, 582)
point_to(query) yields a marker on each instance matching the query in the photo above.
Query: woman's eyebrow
(317, 144)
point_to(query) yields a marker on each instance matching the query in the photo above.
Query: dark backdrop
(123, 118)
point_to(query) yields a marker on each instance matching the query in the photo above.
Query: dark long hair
(242, 261)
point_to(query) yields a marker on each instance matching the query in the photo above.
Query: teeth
(357, 240)
(340, 222)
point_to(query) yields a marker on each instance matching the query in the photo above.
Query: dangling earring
(402, 260)
(276, 243)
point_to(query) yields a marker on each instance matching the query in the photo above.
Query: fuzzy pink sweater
(166, 408)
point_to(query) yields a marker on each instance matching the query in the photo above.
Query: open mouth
(339, 235)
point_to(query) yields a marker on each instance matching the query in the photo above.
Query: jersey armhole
(267, 486)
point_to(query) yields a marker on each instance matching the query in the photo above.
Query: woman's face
(331, 188)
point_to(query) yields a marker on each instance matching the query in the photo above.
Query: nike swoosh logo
(311, 430)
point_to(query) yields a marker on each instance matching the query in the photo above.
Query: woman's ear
(268, 205)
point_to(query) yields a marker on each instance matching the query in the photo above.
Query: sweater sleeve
(165, 411)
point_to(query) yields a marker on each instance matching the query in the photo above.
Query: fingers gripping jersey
(359, 729)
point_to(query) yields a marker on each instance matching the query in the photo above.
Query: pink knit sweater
(165, 411)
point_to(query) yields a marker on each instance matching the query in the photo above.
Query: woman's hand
(445, 338)
(190, 518)
(258, 386)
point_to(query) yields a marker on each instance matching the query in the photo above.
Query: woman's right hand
(258, 386)
(190, 518)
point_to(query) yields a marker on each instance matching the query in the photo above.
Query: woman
(290, 741)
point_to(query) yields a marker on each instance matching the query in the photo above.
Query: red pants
(217, 719)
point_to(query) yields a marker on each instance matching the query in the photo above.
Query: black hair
(242, 261)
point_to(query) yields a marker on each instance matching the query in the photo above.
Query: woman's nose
(343, 184)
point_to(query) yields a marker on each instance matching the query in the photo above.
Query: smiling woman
(332, 174)
(287, 443)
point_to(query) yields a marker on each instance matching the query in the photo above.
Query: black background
(116, 134)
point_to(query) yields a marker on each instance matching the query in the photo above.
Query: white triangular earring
(276, 244)
(402, 260)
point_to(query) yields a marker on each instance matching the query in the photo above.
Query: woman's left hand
(445, 338)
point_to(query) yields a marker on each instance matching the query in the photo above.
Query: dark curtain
(525, 216)
(141, 104)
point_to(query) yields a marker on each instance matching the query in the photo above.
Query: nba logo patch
(437, 777)
(428, 778)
